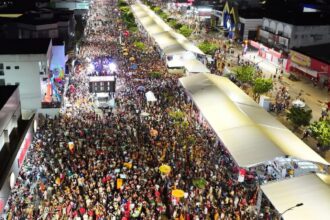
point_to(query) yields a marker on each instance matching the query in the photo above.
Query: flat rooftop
(6, 92)
(300, 19)
(320, 52)
(24, 46)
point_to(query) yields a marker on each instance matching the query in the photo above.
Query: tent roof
(232, 113)
(148, 18)
(308, 189)
(195, 66)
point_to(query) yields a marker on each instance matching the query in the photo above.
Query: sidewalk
(315, 97)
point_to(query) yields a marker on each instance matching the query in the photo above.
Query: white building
(15, 138)
(290, 33)
(26, 62)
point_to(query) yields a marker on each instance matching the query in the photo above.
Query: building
(39, 24)
(15, 138)
(312, 62)
(25, 62)
(249, 23)
(294, 30)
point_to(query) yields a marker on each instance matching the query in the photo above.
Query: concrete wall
(27, 75)
(299, 36)
(250, 25)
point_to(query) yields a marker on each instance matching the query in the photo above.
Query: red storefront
(309, 67)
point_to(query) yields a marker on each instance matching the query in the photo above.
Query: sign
(320, 66)
(82, 5)
(300, 59)
(24, 148)
(2, 205)
(254, 44)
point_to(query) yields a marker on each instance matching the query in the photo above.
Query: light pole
(291, 208)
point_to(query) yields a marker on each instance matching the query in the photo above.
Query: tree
(172, 23)
(245, 74)
(299, 116)
(261, 86)
(122, 3)
(140, 45)
(163, 15)
(156, 9)
(185, 30)
(321, 131)
(208, 47)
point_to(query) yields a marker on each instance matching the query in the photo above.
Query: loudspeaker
(113, 86)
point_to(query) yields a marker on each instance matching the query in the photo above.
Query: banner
(320, 66)
(300, 59)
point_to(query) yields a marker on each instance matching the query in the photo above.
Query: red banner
(25, 147)
(320, 66)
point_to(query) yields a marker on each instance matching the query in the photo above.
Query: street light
(297, 205)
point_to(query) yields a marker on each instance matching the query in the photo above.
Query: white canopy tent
(251, 135)
(309, 190)
(195, 66)
(150, 96)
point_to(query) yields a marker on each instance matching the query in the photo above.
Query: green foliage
(185, 31)
(124, 9)
(172, 23)
(177, 26)
(261, 86)
(179, 119)
(133, 29)
(299, 116)
(163, 15)
(177, 115)
(321, 131)
(208, 47)
(245, 74)
(140, 45)
(155, 75)
(122, 3)
(156, 9)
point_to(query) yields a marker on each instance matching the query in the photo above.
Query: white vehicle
(102, 100)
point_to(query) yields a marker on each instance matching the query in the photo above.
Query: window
(1, 66)
(2, 82)
(7, 67)
(2, 73)
(16, 67)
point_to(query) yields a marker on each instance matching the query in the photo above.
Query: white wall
(250, 25)
(28, 77)
(299, 36)
(310, 35)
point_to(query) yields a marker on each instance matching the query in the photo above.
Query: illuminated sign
(300, 59)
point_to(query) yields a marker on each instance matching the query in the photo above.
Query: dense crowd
(85, 164)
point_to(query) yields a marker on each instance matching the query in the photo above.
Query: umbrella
(145, 114)
(128, 165)
(141, 88)
(178, 193)
(165, 169)
(134, 66)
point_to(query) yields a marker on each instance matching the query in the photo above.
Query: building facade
(26, 66)
(283, 35)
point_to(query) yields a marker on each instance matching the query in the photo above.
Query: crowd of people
(85, 164)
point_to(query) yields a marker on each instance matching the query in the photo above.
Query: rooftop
(319, 52)
(24, 46)
(251, 13)
(6, 92)
(300, 19)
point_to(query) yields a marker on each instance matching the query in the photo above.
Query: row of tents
(178, 51)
